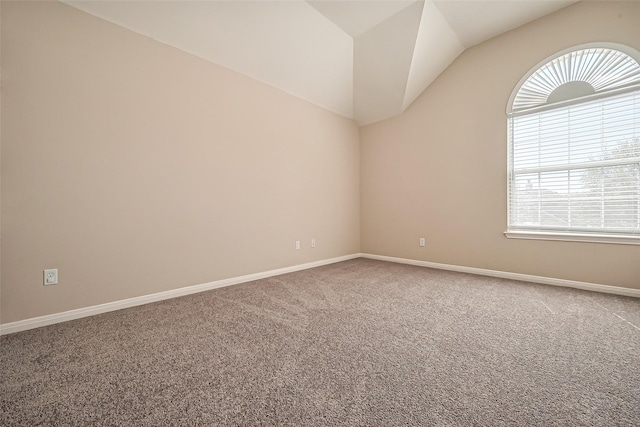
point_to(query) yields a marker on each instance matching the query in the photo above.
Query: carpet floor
(357, 343)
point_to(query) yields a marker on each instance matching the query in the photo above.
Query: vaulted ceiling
(367, 60)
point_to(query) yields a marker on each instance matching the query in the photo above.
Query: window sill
(573, 237)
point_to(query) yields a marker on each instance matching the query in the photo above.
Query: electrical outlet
(297, 244)
(51, 277)
(313, 243)
(422, 242)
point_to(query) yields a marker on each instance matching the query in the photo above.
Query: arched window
(574, 147)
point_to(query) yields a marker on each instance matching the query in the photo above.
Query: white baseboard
(513, 276)
(36, 322)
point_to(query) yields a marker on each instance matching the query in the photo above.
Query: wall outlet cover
(51, 277)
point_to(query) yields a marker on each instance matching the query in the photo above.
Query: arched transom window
(574, 148)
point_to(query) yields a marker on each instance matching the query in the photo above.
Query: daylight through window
(574, 149)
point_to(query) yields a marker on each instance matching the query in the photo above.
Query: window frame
(540, 233)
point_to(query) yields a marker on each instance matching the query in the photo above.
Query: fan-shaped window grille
(574, 148)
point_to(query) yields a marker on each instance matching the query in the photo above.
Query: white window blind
(574, 147)
(602, 69)
(576, 167)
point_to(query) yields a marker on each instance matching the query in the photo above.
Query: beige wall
(439, 169)
(0, 164)
(135, 168)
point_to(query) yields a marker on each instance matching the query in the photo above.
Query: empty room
(320, 213)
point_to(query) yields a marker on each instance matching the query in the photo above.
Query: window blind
(576, 168)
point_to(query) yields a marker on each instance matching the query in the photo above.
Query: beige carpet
(356, 343)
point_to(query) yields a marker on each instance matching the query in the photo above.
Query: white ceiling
(366, 59)
(357, 17)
